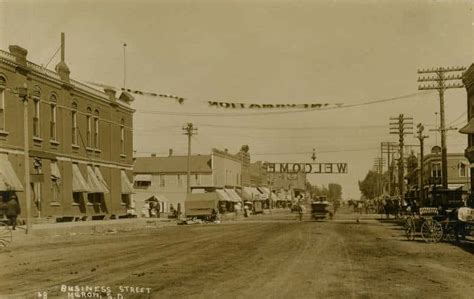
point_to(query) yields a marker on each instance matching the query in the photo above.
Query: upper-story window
(96, 128)
(36, 95)
(197, 179)
(3, 84)
(436, 170)
(89, 127)
(53, 118)
(122, 136)
(74, 123)
(180, 180)
(463, 169)
(162, 180)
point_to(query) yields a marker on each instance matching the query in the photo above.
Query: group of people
(153, 208)
(10, 208)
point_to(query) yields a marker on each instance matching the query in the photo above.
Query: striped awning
(233, 194)
(95, 182)
(142, 178)
(224, 196)
(79, 184)
(9, 181)
(127, 187)
(468, 128)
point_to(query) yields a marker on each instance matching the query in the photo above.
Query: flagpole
(124, 65)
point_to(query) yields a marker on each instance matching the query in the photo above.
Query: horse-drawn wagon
(442, 217)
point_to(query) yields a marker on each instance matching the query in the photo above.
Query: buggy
(437, 218)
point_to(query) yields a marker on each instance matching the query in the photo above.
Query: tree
(334, 191)
(370, 187)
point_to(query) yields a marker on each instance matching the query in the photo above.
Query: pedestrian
(246, 210)
(150, 209)
(301, 211)
(12, 211)
(172, 211)
(158, 209)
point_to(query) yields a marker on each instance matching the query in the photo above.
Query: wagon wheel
(410, 228)
(5, 235)
(431, 231)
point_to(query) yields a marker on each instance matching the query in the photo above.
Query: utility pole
(190, 131)
(388, 148)
(421, 138)
(401, 128)
(440, 77)
(378, 167)
(23, 95)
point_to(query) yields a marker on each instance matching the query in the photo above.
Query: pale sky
(260, 52)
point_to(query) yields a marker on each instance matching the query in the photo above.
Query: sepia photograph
(236, 149)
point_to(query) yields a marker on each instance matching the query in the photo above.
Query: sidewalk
(93, 226)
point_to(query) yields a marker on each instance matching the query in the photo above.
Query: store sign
(308, 168)
(37, 177)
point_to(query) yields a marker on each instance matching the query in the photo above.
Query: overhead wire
(54, 55)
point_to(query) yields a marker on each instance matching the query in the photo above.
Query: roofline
(52, 76)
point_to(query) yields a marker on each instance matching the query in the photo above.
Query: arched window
(3, 84)
(122, 136)
(96, 129)
(74, 123)
(36, 95)
(89, 127)
(53, 117)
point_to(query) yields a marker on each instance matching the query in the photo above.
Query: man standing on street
(13, 210)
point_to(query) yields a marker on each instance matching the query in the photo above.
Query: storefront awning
(8, 179)
(101, 178)
(251, 193)
(127, 187)
(93, 182)
(469, 128)
(224, 196)
(455, 186)
(233, 195)
(142, 178)
(264, 195)
(79, 184)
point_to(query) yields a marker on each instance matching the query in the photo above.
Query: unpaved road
(266, 256)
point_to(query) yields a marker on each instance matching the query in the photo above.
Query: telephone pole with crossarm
(440, 77)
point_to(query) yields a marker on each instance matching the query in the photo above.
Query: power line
(457, 118)
(281, 153)
(55, 53)
(294, 128)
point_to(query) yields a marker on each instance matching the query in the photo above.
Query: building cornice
(79, 87)
(468, 77)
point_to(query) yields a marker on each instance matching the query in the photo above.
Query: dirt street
(266, 256)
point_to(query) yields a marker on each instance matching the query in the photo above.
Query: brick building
(80, 141)
(468, 80)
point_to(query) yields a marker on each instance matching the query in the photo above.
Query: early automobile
(321, 209)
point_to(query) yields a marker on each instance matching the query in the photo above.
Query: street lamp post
(23, 95)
